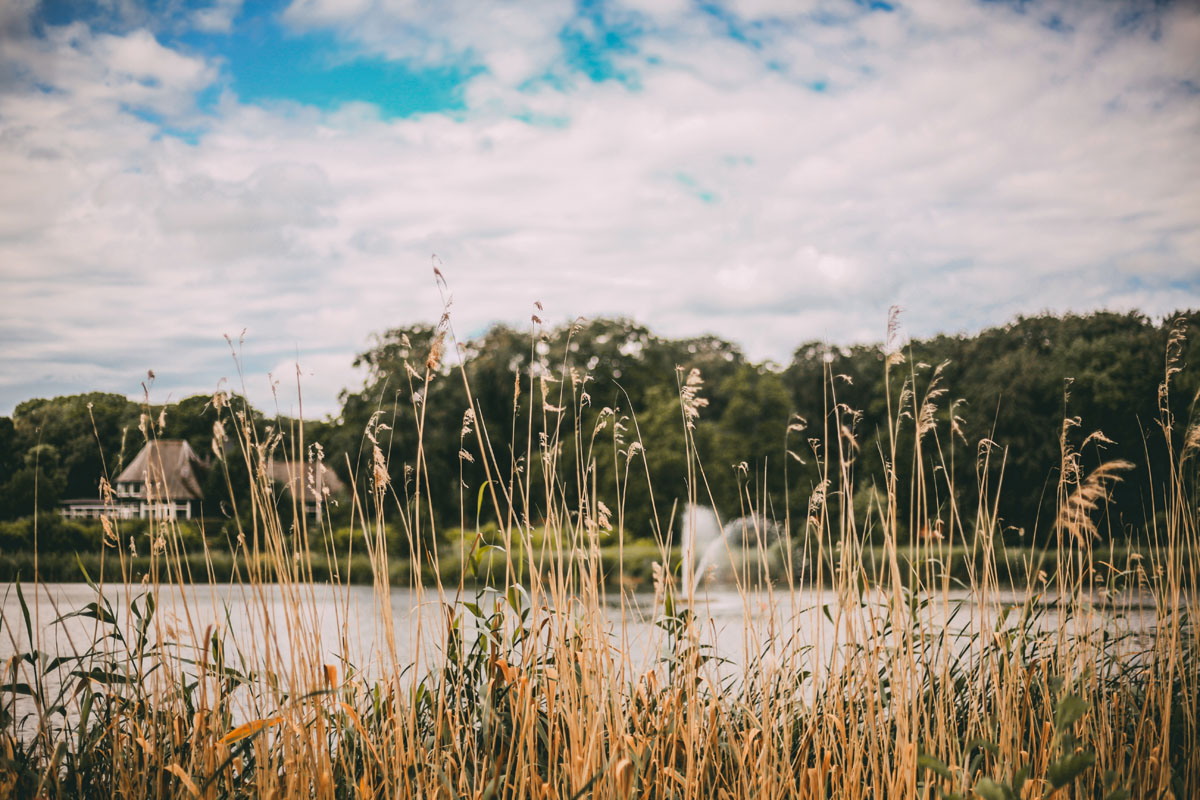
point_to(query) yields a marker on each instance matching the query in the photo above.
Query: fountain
(708, 547)
(702, 533)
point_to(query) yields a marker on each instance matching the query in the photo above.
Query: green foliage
(1016, 384)
(28, 490)
(81, 438)
(1012, 385)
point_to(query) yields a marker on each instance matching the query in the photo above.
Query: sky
(287, 173)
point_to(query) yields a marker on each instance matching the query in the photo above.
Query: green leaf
(86, 576)
(92, 610)
(937, 765)
(102, 676)
(517, 597)
(988, 789)
(1069, 711)
(1117, 794)
(1067, 768)
(985, 744)
(58, 661)
(25, 613)
(1018, 781)
(479, 499)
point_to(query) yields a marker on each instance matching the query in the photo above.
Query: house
(162, 482)
(94, 508)
(314, 481)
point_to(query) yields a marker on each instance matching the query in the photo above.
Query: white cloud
(994, 168)
(100, 74)
(218, 17)
(514, 39)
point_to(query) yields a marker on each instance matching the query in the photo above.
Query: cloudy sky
(772, 172)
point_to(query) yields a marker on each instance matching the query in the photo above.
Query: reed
(868, 668)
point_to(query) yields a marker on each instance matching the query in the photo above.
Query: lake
(404, 626)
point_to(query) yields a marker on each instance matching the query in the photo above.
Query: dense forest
(597, 387)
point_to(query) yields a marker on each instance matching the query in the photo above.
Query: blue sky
(772, 172)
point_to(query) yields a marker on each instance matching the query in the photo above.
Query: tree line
(987, 407)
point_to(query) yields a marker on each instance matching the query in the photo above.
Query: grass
(918, 681)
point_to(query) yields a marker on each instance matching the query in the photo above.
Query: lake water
(403, 627)
(296, 630)
(352, 620)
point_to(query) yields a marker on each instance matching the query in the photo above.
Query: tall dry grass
(910, 685)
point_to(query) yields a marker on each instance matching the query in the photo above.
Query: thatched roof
(169, 467)
(314, 477)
